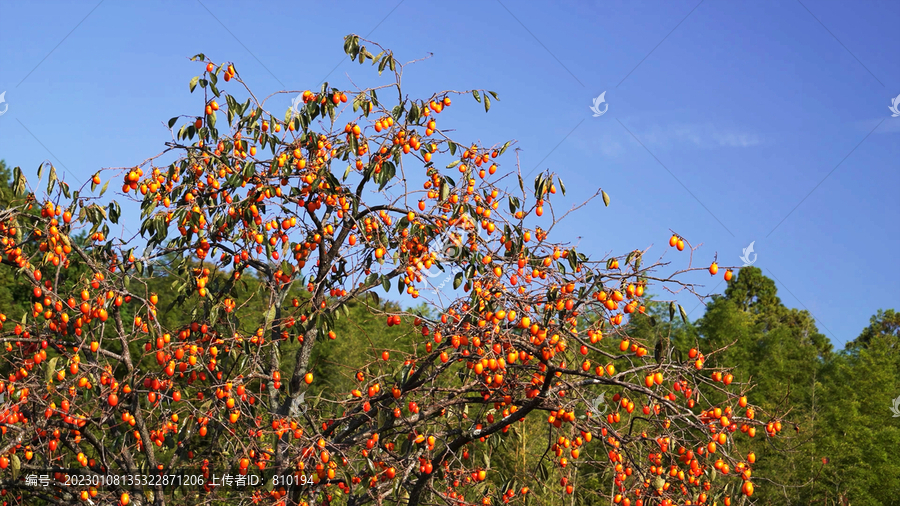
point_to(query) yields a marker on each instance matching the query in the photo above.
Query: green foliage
(839, 401)
(884, 322)
(855, 428)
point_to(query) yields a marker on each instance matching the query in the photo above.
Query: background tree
(882, 323)
(857, 433)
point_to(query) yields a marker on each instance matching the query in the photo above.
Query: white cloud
(737, 140)
(700, 135)
(612, 141)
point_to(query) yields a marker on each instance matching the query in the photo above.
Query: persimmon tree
(264, 228)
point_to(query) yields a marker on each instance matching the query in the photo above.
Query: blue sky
(728, 122)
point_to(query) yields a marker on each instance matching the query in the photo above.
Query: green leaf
(194, 82)
(105, 186)
(354, 47)
(386, 283)
(20, 183)
(453, 164)
(270, 316)
(388, 170)
(213, 315)
(413, 115)
(477, 96)
(539, 186)
(672, 310)
(115, 211)
(51, 180)
(562, 186)
(51, 368)
(487, 104)
(452, 148)
(659, 483)
(542, 469)
(397, 112)
(457, 280)
(404, 373)
(605, 198)
(172, 122)
(494, 95)
(683, 313)
(16, 465)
